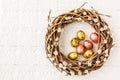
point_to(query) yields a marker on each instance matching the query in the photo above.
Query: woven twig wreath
(78, 67)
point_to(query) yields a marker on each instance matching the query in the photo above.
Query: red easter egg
(80, 49)
(88, 44)
(94, 37)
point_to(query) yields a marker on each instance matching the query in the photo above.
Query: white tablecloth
(23, 26)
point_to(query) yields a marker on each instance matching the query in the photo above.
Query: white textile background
(23, 26)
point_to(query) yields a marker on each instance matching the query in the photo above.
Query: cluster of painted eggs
(84, 48)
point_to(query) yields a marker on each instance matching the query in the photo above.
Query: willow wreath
(78, 67)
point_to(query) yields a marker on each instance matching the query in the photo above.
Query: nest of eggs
(69, 66)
